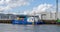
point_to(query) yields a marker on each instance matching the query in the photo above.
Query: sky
(27, 6)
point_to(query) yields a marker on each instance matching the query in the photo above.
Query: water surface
(29, 28)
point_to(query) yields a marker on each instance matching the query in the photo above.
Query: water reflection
(29, 28)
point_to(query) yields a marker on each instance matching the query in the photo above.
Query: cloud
(41, 8)
(9, 4)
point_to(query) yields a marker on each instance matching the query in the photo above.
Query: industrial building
(7, 16)
(42, 16)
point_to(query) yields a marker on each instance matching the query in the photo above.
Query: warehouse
(7, 16)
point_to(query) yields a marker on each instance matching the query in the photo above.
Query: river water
(29, 28)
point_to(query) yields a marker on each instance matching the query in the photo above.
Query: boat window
(22, 16)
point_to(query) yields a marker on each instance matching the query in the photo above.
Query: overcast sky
(27, 6)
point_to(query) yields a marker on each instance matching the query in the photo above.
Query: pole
(56, 9)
